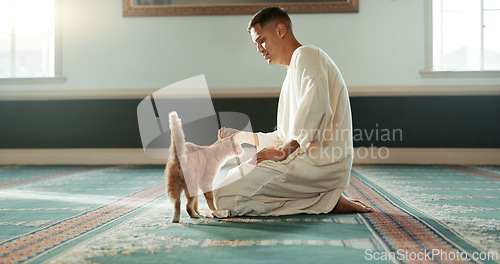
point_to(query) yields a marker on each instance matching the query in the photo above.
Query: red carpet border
(33, 244)
(401, 230)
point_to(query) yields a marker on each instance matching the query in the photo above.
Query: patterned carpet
(120, 214)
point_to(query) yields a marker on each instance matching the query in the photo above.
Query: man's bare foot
(347, 205)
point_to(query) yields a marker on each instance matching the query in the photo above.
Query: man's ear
(281, 30)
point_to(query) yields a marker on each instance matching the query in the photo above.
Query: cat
(201, 164)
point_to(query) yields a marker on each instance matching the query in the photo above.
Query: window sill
(463, 74)
(34, 80)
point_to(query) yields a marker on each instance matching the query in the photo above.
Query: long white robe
(313, 109)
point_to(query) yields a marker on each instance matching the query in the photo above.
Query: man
(303, 166)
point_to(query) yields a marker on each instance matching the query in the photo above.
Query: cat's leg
(208, 183)
(176, 200)
(174, 189)
(191, 201)
(209, 196)
(196, 205)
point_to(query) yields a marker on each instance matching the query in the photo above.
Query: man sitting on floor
(304, 166)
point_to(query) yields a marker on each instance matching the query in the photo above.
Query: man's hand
(239, 137)
(275, 154)
(268, 154)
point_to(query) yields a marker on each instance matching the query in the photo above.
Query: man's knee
(223, 201)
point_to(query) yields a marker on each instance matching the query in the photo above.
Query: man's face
(267, 41)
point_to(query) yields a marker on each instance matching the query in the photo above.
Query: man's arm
(314, 110)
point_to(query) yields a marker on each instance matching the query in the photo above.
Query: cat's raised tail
(177, 146)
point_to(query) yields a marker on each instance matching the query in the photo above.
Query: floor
(120, 214)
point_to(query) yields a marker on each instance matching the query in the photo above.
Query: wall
(382, 45)
(394, 122)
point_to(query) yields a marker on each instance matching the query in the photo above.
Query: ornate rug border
(435, 227)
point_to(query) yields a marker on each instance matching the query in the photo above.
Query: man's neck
(289, 51)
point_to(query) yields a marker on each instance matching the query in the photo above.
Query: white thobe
(314, 110)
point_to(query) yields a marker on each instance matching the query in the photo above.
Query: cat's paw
(226, 132)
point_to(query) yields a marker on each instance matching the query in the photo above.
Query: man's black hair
(269, 14)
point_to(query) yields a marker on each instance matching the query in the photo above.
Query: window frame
(58, 75)
(429, 70)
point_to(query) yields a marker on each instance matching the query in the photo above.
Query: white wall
(382, 45)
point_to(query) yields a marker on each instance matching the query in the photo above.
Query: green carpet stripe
(488, 169)
(48, 176)
(473, 171)
(433, 230)
(28, 246)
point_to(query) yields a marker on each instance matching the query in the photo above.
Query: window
(465, 35)
(27, 39)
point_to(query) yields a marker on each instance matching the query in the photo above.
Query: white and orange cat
(201, 164)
